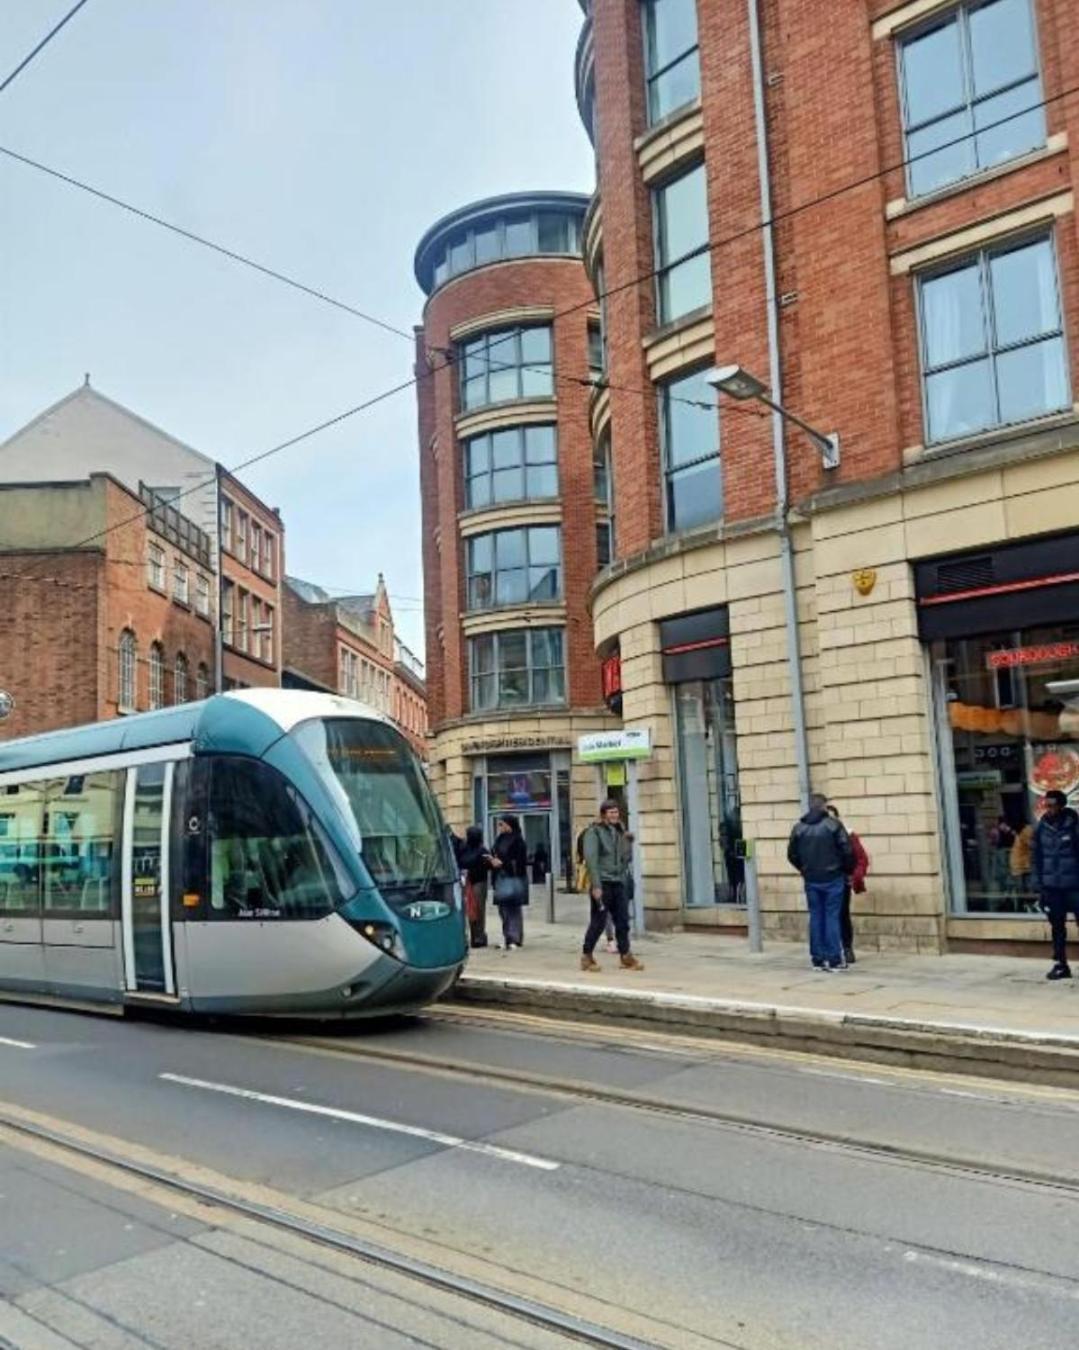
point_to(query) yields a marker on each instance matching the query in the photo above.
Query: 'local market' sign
(599, 746)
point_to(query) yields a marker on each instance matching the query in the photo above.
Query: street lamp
(740, 384)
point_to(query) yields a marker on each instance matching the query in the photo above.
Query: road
(678, 1193)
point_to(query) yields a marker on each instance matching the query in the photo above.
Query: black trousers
(846, 926)
(513, 924)
(1060, 904)
(615, 904)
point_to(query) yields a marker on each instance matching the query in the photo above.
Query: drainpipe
(779, 445)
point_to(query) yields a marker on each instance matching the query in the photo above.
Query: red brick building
(875, 217)
(252, 538)
(515, 511)
(104, 608)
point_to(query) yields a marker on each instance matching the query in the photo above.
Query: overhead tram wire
(708, 247)
(10, 79)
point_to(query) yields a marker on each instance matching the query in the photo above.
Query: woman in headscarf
(509, 866)
(474, 871)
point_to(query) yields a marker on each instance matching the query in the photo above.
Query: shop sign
(980, 781)
(599, 746)
(490, 744)
(1043, 655)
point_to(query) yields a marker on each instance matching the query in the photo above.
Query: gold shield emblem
(864, 580)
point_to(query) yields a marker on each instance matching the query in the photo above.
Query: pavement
(982, 1014)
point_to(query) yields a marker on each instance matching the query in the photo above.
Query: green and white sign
(602, 746)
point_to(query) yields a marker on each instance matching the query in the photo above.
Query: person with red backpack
(855, 885)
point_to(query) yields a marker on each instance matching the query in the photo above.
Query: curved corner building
(516, 518)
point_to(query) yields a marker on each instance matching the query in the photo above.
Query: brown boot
(590, 964)
(630, 962)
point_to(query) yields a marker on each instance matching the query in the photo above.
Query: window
(970, 86)
(155, 566)
(349, 673)
(992, 341)
(268, 856)
(180, 583)
(202, 681)
(689, 435)
(157, 675)
(518, 668)
(128, 666)
(596, 353)
(514, 567)
(672, 67)
(179, 679)
(707, 755)
(267, 554)
(520, 464)
(202, 594)
(228, 603)
(506, 364)
(601, 295)
(513, 236)
(80, 865)
(240, 535)
(241, 618)
(683, 265)
(266, 644)
(603, 491)
(227, 520)
(255, 558)
(21, 828)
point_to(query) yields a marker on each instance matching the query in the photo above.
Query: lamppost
(740, 384)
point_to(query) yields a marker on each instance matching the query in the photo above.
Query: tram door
(146, 924)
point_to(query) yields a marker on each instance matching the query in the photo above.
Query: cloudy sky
(320, 137)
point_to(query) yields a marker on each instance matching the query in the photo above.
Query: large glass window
(683, 263)
(268, 856)
(518, 668)
(1009, 705)
(516, 235)
(80, 863)
(603, 491)
(519, 464)
(971, 92)
(506, 364)
(22, 813)
(711, 807)
(689, 432)
(992, 341)
(514, 567)
(672, 65)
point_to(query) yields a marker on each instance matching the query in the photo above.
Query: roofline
(227, 475)
(479, 210)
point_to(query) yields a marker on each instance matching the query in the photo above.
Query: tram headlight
(383, 936)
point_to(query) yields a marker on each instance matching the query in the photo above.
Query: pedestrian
(475, 871)
(1001, 839)
(509, 863)
(1019, 860)
(1055, 860)
(854, 884)
(607, 858)
(820, 850)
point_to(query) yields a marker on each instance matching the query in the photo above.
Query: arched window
(129, 653)
(179, 679)
(157, 675)
(202, 681)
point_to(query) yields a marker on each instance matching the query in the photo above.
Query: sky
(320, 137)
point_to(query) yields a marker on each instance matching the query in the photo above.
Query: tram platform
(994, 1016)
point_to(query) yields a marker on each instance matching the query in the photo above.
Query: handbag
(581, 881)
(510, 891)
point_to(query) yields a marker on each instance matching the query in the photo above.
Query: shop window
(683, 261)
(993, 350)
(971, 92)
(514, 567)
(1009, 709)
(519, 464)
(517, 668)
(672, 65)
(689, 432)
(509, 363)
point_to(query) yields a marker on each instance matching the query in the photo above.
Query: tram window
(21, 813)
(268, 857)
(80, 861)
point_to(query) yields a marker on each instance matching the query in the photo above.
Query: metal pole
(635, 857)
(550, 896)
(753, 905)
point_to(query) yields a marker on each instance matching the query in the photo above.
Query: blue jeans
(825, 900)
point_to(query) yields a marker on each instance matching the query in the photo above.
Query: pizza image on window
(1056, 770)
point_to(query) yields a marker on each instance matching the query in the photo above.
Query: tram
(260, 852)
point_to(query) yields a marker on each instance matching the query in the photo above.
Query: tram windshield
(386, 800)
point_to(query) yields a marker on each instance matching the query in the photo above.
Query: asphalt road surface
(677, 1193)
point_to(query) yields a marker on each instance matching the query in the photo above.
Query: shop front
(1002, 632)
(534, 785)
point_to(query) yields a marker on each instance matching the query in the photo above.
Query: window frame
(181, 581)
(652, 75)
(664, 269)
(521, 431)
(663, 400)
(960, 11)
(983, 256)
(202, 681)
(497, 670)
(202, 594)
(156, 572)
(181, 678)
(127, 675)
(519, 365)
(526, 567)
(442, 271)
(155, 670)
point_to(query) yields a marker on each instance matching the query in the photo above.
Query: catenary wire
(10, 79)
(708, 247)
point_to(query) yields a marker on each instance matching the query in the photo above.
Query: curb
(994, 1052)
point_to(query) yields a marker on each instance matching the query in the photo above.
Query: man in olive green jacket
(607, 860)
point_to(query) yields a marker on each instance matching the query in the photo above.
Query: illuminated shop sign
(1043, 655)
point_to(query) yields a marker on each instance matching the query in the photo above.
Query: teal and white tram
(261, 852)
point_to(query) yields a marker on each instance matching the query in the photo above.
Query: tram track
(581, 1093)
(277, 1217)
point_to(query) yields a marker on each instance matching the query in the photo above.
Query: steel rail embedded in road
(513, 1305)
(574, 1090)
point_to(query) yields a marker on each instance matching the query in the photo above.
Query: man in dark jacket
(606, 848)
(820, 849)
(1055, 861)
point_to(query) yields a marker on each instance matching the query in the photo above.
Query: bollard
(550, 897)
(753, 904)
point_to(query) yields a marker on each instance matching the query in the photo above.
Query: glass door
(711, 805)
(146, 926)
